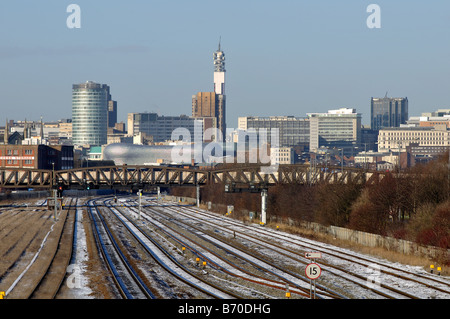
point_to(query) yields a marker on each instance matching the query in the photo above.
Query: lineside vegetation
(413, 204)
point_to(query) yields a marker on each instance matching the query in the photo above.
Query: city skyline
(283, 58)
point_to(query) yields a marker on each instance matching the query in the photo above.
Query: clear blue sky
(282, 57)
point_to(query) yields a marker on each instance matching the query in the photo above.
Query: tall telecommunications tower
(219, 71)
(219, 89)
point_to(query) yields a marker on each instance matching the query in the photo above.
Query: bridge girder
(125, 175)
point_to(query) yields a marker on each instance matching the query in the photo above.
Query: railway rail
(212, 258)
(167, 250)
(164, 259)
(51, 282)
(47, 241)
(128, 283)
(235, 262)
(266, 239)
(293, 245)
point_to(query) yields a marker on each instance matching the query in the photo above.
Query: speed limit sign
(313, 271)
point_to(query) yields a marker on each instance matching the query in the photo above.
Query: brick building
(36, 156)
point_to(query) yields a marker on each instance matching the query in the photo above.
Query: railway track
(41, 274)
(291, 248)
(51, 282)
(425, 281)
(232, 263)
(215, 260)
(433, 282)
(128, 283)
(161, 255)
(164, 259)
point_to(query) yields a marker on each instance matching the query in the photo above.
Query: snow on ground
(374, 271)
(78, 281)
(81, 289)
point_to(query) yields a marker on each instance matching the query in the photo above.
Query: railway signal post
(313, 271)
(252, 188)
(56, 205)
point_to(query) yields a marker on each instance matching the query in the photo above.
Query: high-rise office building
(337, 128)
(292, 131)
(204, 104)
(160, 128)
(90, 113)
(213, 104)
(112, 113)
(388, 112)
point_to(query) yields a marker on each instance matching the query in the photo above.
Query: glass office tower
(388, 112)
(90, 113)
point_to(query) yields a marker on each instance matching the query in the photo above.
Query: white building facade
(398, 139)
(337, 128)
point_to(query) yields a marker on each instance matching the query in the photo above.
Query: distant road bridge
(131, 175)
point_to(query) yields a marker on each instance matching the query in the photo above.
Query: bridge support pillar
(263, 207)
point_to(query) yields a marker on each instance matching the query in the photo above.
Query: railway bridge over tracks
(256, 176)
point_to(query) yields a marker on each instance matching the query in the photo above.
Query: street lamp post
(53, 174)
(342, 158)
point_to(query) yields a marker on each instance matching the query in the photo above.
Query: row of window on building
(58, 157)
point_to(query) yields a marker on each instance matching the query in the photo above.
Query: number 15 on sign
(313, 271)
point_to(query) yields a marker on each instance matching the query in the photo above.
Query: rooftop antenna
(220, 39)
